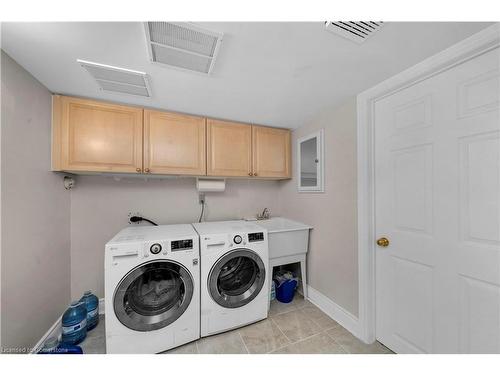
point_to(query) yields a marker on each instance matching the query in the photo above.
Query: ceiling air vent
(357, 31)
(182, 45)
(118, 80)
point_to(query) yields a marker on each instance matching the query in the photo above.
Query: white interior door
(437, 198)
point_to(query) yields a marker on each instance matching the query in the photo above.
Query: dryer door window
(237, 278)
(153, 295)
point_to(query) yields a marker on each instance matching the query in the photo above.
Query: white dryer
(234, 274)
(152, 289)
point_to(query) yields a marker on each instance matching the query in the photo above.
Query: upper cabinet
(174, 144)
(229, 149)
(242, 150)
(94, 136)
(271, 152)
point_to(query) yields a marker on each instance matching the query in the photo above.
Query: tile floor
(295, 328)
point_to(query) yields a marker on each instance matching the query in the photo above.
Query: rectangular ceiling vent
(182, 45)
(357, 31)
(118, 80)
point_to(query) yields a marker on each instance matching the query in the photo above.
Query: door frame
(467, 49)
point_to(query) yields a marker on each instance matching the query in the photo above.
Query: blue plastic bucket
(286, 291)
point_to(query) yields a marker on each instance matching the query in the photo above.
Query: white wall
(332, 258)
(35, 243)
(100, 205)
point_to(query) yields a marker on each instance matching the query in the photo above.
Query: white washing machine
(152, 289)
(234, 274)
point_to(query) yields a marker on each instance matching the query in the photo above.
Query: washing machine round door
(236, 278)
(153, 295)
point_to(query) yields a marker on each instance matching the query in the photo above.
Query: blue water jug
(74, 323)
(92, 303)
(286, 291)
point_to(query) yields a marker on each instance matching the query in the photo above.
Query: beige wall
(100, 205)
(35, 243)
(332, 259)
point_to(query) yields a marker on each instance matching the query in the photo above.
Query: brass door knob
(146, 170)
(138, 170)
(250, 174)
(383, 242)
(255, 174)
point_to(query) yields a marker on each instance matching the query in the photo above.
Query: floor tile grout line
(307, 338)
(284, 335)
(243, 341)
(312, 320)
(302, 308)
(317, 324)
(325, 328)
(293, 308)
(302, 339)
(345, 348)
(338, 343)
(196, 344)
(281, 313)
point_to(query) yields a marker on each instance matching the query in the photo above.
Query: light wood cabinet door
(271, 152)
(95, 136)
(174, 144)
(229, 148)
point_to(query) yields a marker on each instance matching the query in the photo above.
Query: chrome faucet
(265, 215)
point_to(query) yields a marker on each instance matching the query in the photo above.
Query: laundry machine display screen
(181, 245)
(254, 237)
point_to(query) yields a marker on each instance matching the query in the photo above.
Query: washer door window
(236, 278)
(153, 295)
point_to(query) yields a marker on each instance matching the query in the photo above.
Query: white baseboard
(101, 306)
(334, 311)
(55, 330)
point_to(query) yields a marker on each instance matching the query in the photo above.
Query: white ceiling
(278, 74)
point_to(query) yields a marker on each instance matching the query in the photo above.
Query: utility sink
(286, 237)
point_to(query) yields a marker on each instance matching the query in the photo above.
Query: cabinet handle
(250, 174)
(255, 174)
(138, 170)
(146, 170)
